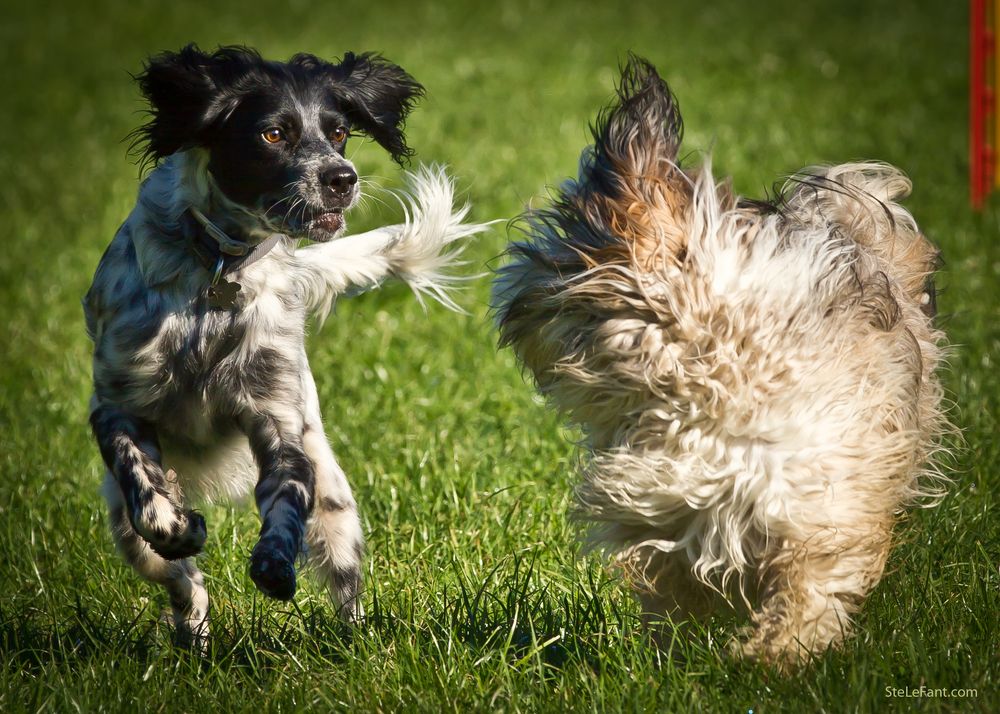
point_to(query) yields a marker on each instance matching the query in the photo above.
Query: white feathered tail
(420, 251)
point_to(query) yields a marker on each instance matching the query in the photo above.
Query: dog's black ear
(642, 129)
(379, 95)
(630, 181)
(189, 92)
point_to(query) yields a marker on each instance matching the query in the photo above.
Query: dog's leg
(336, 543)
(132, 454)
(183, 581)
(284, 495)
(669, 595)
(812, 588)
(665, 587)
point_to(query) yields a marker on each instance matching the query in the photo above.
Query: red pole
(982, 100)
(977, 104)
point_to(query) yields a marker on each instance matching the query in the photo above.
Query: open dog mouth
(313, 222)
(326, 223)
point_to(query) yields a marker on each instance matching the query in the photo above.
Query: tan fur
(649, 212)
(757, 386)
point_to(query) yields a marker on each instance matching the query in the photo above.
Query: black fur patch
(192, 94)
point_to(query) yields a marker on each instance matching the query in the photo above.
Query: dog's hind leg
(131, 453)
(670, 596)
(812, 588)
(666, 588)
(181, 578)
(333, 534)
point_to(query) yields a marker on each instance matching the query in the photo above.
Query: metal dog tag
(222, 295)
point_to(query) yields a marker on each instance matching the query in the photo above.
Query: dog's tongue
(329, 221)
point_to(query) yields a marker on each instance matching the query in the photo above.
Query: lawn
(478, 595)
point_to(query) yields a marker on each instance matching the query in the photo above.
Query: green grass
(478, 595)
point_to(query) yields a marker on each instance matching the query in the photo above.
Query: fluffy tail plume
(420, 251)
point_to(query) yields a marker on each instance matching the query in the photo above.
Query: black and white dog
(198, 309)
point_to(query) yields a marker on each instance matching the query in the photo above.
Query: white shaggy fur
(756, 383)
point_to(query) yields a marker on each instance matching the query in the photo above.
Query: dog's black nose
(339, 178)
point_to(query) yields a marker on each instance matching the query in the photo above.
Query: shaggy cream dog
(755, 380)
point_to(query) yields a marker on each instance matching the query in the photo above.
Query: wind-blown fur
(755, 381)
(194, 402)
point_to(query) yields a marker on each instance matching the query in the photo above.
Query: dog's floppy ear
(378, 95)
(640, 131)
(630, 179)
(188, 95)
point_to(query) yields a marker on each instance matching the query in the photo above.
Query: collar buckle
(226, 244)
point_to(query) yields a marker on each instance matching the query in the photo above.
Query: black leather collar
(234, 254)
(221, 255)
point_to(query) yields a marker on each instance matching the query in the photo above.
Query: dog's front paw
(272, 572)
(181, 534)
(191, 630)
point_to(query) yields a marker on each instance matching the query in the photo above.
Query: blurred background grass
(478, 594)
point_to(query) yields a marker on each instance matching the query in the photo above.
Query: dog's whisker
(288, 212)
(365, 200)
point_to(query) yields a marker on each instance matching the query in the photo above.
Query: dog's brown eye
(339, 134)
(273, 135)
